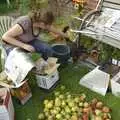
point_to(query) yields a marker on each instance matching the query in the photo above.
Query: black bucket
(62, 52)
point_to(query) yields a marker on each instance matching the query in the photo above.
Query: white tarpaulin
(17, 65)
(96, 80)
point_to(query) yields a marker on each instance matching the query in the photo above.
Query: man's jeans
(40, 47)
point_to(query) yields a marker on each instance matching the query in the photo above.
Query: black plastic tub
(62, 52)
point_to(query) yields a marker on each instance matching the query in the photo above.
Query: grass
(69, 76)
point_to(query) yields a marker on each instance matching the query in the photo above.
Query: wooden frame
(87, 24)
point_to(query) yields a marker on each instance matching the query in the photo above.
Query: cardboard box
(115, 85)
(47, 81)
(99, 81)
(6, 107)
(46, 67)
(46, 72)
(23, 93)
(96, 80)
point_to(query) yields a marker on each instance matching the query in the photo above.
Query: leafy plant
(24, 6)
(4, 8)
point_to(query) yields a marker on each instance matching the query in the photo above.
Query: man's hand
(28, 48)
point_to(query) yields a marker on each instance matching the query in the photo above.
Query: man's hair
(46, 17)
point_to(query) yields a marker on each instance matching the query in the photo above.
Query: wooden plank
(110, 35)
(113, 1)
(111, 5)
(105, 39)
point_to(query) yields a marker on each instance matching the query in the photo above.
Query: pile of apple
(66, 106)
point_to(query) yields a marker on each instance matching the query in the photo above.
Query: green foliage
(2, 1)
(87, 42)
(116, 53)
(35, 56)
(24, 6)
(4, 8)
(40, 4)
(106, 51)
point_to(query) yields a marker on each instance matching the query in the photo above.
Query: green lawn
(69, 76)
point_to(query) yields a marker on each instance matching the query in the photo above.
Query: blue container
(62, 52)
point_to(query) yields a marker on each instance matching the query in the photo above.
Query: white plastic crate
(47, 81)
